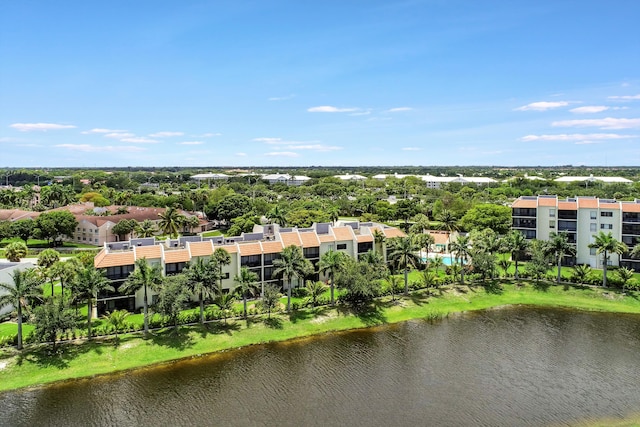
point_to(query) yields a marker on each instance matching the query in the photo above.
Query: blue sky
(328, 83)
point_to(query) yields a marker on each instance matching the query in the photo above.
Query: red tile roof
(568, 206)
(148, 252)
(343, 233)
(180, 255)
(115, 258)
(520, 203)
(200, 248)
(309, 240)
(290, 238)
(252, 248)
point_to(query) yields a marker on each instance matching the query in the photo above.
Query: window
(342, 246)
(552, 223)
(606, 226)
(593, 227)
(552, 213)
(592, 251)
(96, 240)
(592, 215)
(606, 213)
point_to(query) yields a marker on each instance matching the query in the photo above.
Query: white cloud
(606, 123)
(542, 106)
(269, 140)
(411, 149)
(330, 109)
(590, 109)
(363, 113)
(282, 98)
(165, 134)
(119, 135)
(575, 137)
(191, 143)
(95, 149)
(282, 154)
(314, 147)
(139, 140)
(10, 139)
(27, 127)
(626, 97)
(208, 135)
(241, 154)
(588, 142)
(101, 130)
(399, 109)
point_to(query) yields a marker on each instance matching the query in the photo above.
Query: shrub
(299, 292)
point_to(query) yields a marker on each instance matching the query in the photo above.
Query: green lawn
(8, 329)
(38, 366)
(43, 244)
(212, 233)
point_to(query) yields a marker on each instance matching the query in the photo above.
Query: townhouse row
(255, 251)
(581, 218)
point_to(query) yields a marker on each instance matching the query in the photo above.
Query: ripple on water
(501, 367)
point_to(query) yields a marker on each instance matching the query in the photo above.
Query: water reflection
(503, 367)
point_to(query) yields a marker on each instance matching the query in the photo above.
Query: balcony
(524, 223)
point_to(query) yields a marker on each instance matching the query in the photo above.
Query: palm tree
(504, 265)
(379, 238)
(581, 272)
(331, 261)
(201, 280)
(393, 281)
(15, 250)
(290, 264)
(635, 252)
(462, 248)
(46, 259)
(224, 301)
(66, 271)
(625, 274)
(404, 254)
(146, 228)
(277, 216)
(26, 286)
(92, 282)
(559, 246)
(117, 319)
(437, 262)
(144, 276)
(517, 243)
(315, 289)
(220, 258)
(606, 244)
(424, 241)
(247, 282)
(170, 221)
(448, 222)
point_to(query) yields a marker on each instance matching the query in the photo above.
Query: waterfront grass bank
(36, 366)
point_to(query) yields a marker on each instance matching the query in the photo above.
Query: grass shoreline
(36, 367)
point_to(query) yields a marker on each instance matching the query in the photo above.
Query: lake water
(509, 367)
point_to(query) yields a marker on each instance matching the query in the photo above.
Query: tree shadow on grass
(223, 328)
(47, 357)
(370, 314)
(173, 338)
(493, 287)
(311, 313)
(420, 298)
(540, 285)
(274, 323)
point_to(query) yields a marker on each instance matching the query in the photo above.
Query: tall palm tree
(247, 282)
(201, 281)
(146, 228)
(144, 276)
(170, 221)
(424, 241)
(92, 282)
(331, 262)
(404, 254)
(290, 264)
(606, 244)
(277, 216)
(220, 258)
(26, 286)
(379, 238)
(559, 246)
(517, 243)
(66, 271)
(448, 221)
(462, 248)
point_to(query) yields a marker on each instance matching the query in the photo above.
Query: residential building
(581, 218)
(7, 270)
(256, 251)
(433, 181)
(591, 178)
(350, 177)
(285, 178)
